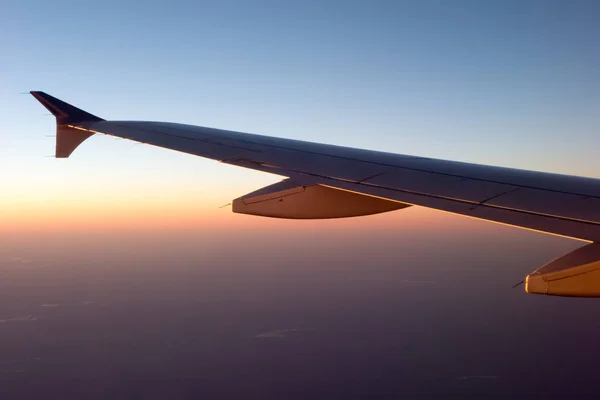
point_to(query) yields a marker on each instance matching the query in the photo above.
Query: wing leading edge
(551, 203)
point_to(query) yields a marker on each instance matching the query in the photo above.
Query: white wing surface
(325, 181)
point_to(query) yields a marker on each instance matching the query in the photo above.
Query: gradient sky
(120, 276)
(511, 83)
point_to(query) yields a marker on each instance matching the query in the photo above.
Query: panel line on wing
(498, 195)
(261, 165)
(165, 134)
(270, 145)
(458, 200)
(467, 215)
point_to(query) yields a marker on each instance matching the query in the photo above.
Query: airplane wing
(326, 181)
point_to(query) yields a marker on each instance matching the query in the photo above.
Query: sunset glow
(124, 273)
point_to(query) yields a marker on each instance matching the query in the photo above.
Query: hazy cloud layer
(276, 334)
(20, 260)
(20, 318)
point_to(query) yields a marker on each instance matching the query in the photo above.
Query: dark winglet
(68, 134)
(64, 112)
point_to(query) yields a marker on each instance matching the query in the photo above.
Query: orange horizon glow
(182, 214)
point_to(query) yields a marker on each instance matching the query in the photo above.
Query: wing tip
(67, 137)
(65, 113)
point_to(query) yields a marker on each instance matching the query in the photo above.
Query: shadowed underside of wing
(551, 203)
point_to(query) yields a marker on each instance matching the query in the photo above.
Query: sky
(121, 274)
(511, 83)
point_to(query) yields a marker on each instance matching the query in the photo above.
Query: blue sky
(513, 83)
